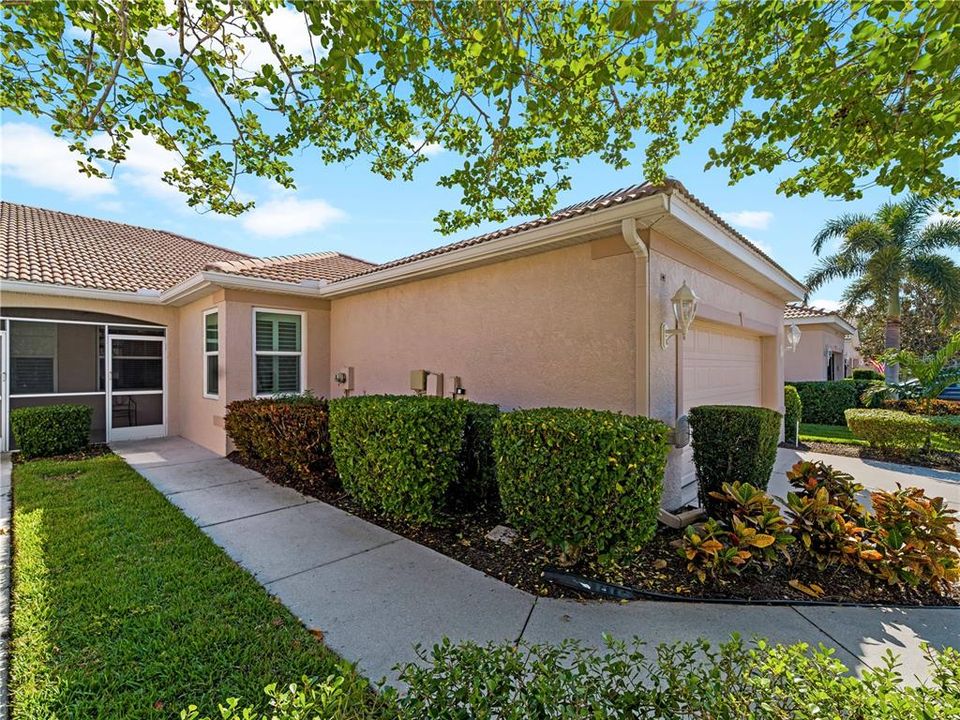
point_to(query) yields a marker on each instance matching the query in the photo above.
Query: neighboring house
(158, 332)
(827, 349)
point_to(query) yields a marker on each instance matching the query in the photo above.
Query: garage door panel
(721, 366)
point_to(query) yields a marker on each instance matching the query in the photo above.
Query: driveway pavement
(374, 594)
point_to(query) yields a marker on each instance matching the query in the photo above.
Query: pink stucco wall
(808, 361)
(555, 328)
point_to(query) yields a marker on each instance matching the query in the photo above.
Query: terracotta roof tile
(601, 202)
(47, 246)
(795, 312)
(295, 268)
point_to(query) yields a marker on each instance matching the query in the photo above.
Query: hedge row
(290, 433)
(793, 414)
(48, 430)
(583, 481)
(402, 455)
(897, 430)
(824, 402)
(918, 407)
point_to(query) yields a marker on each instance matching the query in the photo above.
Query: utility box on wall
(418, 380)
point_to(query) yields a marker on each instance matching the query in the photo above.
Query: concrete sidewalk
(375, 595)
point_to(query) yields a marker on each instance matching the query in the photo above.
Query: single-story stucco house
(827, 347)
(159, 332)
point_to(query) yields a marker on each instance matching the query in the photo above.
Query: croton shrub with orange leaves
(908, 539)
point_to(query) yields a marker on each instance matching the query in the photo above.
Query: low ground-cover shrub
(732, 443)
(694, 681)
(913, 539)
(582, 481)
(909, 540)
(48, 430)
(924, 407)
(866, 374)
(793, 413)
(825, 515)
(890, 429)
(824, 402)
(404, 455)
(289, 432)
(755, 534)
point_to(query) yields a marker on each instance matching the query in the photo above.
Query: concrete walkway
(374, 594)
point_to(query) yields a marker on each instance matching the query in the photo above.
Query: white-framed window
(278, 341)
(211, 354)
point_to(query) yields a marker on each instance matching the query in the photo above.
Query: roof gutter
(36, 288)
(538, 239)
(831, 319)
(694, 216)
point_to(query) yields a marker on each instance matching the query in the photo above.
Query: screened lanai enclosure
(112, 364)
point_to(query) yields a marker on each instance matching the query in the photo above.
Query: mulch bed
(935, 459)
(657, 568)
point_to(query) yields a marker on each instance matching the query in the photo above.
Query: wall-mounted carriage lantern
(793, 337)
(684, 310)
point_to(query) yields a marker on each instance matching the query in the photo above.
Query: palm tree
(879, 253)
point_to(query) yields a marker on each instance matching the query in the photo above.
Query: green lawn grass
(840, 434)
(123, 608)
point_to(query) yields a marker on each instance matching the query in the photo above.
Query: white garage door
(721, 366)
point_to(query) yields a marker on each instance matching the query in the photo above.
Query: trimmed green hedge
(866, 374)
(584, 481)
(290, 433)
(793, 407)
(890, 429)
(732, 443)
(824, 402)
(403, 454)
(48, 430)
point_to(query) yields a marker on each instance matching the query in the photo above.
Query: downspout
(628, 230)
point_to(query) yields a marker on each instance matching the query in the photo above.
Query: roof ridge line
(126, 224)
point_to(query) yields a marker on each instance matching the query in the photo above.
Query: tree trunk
(892, 333)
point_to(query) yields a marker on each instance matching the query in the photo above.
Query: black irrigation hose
(620, 592)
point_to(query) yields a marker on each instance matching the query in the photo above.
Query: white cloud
(286, 24)
(428, 149)
(828, 305)
(941, 217)
(291, 215)
(38, 157)
(753, 219)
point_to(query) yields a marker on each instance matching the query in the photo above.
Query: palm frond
(942, 275)
(884, 269)
(858, 294)
(916, 210)
(836, 229)
(833, 267)
(937, 236)
(869, 237)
